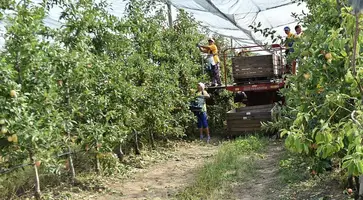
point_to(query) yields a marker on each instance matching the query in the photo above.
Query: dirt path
(262, 185)
(163, 180)
(166, 178)
(266, 182)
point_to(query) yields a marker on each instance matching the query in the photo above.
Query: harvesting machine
(256, 82)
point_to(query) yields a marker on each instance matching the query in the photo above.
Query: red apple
(350, 191)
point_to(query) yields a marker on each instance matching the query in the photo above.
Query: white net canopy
(228, 18)
(232, 18)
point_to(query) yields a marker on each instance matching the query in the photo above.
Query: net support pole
(170, 17)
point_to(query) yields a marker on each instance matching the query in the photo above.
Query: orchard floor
(161, 180)
(164, 179)
(271, 182)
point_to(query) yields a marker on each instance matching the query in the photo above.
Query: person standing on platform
(214, 61)
(298, 31)
(289, 40)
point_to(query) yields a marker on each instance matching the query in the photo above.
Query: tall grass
(21, 183)
(233, 161)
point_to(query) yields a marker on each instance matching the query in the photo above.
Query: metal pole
(231, 67)
(225, 66)
(170, 17)
(201, 56)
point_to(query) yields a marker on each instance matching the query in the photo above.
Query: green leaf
(360, 166)
(343, 53)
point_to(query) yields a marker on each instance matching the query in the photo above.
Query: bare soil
(162, 180)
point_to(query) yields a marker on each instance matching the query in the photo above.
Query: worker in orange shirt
(298, 34)
(289, 40)
(214, 61)
(298, 31)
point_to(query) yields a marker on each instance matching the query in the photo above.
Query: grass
(233, 161)
(296, 182)
(236, 163)
(21, 182)
(292, 169)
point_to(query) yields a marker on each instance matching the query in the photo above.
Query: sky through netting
(229, 18)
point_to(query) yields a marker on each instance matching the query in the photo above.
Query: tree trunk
(360, 186)
(37, 193)
(357, 185)
(136, 143)
(70, 160)
(120, 154)
(350, 182)
(71, 166)
(152, 140)
(37, 184)
(97, 160)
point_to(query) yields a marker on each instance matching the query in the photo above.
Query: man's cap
(286, 28)
(210, 39)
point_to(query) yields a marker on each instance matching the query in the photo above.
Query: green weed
(233, 161)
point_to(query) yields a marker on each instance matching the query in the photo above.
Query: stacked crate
(256, 68)
(248, 119)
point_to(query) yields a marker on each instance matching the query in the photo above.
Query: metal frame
(260, 87)
(256, 87)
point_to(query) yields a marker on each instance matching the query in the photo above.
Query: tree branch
(355, 120)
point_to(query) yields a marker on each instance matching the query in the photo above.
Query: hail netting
(229, 18)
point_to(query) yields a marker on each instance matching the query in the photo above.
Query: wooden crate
(261, 66)
(248, 119)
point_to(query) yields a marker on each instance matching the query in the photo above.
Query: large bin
(248, 119)
(260, 67)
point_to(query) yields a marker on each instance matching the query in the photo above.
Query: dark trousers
(216, 77)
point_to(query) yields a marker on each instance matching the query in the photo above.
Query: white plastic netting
(229, 18)
(232, 18)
